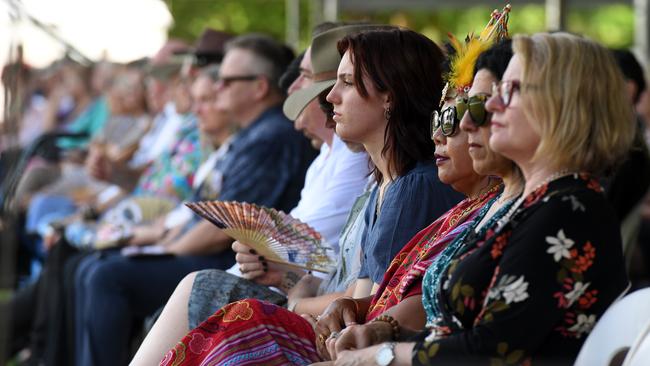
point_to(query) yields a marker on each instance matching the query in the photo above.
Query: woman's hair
(407, 66)
(495, 59)
(573, 90)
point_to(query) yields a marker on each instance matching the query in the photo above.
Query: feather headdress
(461, 73)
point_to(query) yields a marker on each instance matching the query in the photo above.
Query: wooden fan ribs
(277, 236)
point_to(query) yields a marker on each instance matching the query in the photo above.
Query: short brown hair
(575, 96)
(271, 57)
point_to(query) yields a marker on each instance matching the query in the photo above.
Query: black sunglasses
(227, 80)
(475, 106)
(447, 120)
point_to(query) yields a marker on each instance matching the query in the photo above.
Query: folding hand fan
(277, 236)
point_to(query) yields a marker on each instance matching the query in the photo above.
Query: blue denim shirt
(266, 163)
(411, 202)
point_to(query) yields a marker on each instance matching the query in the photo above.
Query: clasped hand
(338, 330)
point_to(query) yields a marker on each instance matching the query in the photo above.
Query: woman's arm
(367, 356)
(313, 305)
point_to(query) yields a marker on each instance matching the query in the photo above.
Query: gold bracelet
(393, 323)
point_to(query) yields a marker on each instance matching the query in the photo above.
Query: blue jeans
(113, 291)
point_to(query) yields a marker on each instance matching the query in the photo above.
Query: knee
(188, 280)
(83, 269)
(103, 276)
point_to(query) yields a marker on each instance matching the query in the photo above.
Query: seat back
(617, 330)
(639, 354)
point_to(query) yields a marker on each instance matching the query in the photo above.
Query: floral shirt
(531, 289)
(171, 175)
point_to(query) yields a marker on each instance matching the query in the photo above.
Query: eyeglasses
(475, 106)
(505, 89)
(227, 80)
(447, 120)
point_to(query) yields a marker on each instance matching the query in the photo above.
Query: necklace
(380, 196)
(506, 218)
(431, 285)
(550, 178)
(489, 186)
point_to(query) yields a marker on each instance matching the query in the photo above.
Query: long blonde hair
(575, 93)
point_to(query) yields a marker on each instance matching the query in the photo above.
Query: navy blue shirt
(266, 163)
(411, 202)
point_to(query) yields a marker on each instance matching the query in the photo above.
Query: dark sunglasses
(447, 120)
(475, 106)
(227, 80)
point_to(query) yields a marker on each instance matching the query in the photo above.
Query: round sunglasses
(475, 106)
(447, 120)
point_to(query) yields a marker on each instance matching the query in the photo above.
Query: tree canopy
(611, 24)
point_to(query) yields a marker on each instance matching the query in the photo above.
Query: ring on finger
(322, 338)
(334, 335)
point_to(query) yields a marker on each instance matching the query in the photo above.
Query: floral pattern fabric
(530, 292)
(233, 336)
(171, 175)
(403, 278)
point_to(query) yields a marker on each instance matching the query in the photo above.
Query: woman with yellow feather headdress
(462, 61)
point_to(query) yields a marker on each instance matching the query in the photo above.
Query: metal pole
(75, 53)
(315, 13)
(331, 10)
(292, 34)
(556, 15)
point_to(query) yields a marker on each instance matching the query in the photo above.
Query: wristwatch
(386, 354)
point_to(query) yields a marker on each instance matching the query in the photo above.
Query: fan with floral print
(277, 236)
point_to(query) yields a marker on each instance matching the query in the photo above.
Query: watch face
(384, 356)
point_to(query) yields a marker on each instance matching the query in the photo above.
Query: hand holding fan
(273, 234)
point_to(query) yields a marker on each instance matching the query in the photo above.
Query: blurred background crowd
(105, 99)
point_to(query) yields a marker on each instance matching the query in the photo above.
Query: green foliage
(611, 24)
(235, 16)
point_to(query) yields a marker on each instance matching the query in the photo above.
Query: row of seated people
(518, 270)
(516, 273)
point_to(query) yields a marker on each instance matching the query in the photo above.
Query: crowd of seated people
(481, 200)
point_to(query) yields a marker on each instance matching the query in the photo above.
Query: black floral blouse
(532, 291)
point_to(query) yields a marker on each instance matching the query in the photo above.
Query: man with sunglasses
(264, 163)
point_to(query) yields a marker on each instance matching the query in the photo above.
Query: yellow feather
(462, 63)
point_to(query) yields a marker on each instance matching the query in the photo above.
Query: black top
(532, 291)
